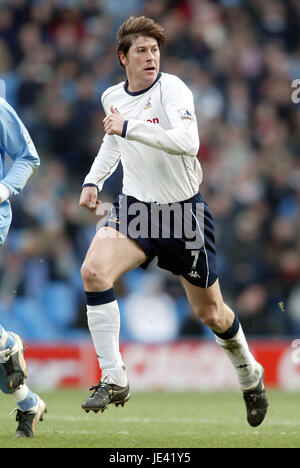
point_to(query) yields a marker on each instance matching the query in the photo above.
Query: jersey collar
(136, 93)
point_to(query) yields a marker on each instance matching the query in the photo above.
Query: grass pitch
(158, 420)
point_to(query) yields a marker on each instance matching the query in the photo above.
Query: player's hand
(113, 123)
(89, 198)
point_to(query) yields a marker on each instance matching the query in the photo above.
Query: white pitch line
(133, 419)
(136, 420)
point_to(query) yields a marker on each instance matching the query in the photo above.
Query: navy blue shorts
(180, 235)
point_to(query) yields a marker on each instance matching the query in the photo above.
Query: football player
(151, 128)
(16, 142)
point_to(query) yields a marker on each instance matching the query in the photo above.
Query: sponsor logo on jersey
(154, 120)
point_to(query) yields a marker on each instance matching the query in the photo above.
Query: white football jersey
(159, 144)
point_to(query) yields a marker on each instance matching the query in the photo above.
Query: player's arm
(182, 138)
(16, 142)
(104, 165)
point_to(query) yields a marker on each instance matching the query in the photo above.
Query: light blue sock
(7, 340)
(25, 398)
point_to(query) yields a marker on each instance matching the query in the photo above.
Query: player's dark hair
(134, 27)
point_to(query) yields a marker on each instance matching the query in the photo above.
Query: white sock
(25, 398)
(247, 368)
(104, 326)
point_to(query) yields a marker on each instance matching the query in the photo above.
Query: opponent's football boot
(15, 369)
(256, 402)
(27, 420)
(106, 393)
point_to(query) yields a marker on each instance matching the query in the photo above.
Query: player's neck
(135, 85)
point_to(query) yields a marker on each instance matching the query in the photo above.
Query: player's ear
(123, 59)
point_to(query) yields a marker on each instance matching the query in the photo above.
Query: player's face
(142, 62)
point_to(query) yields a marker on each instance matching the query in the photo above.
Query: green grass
(158, 420)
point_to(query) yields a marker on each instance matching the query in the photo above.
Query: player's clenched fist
(89, 198)
(113, 123)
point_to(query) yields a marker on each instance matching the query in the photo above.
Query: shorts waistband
(194, 198)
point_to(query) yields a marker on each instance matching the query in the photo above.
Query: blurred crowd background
(240, 58)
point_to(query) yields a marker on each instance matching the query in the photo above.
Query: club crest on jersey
(114, 219)
(186, 114)
(148, 104)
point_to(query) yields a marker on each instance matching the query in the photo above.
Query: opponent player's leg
(12, 358)
(12, 374)
(209, 306)
(110, 255)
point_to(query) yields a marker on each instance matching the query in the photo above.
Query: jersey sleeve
(16, 142)
(105, 163)
(183, 137)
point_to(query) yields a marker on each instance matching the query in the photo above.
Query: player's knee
(95, 278)
(210, 314)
